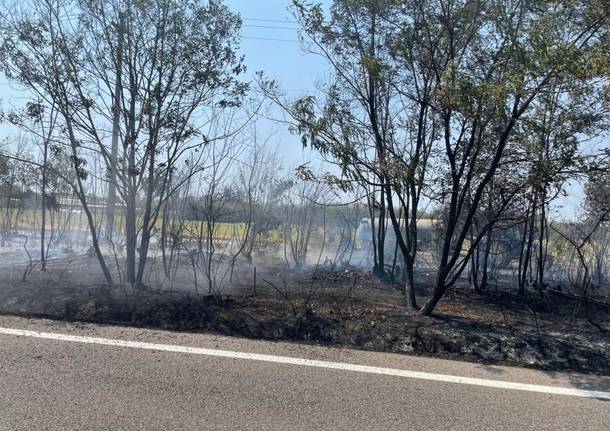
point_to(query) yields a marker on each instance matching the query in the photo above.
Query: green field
(31, 219)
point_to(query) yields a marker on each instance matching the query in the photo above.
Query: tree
(260, 189)
(169, 68)
(597, 210)
(580, 235)
(438, 98)
(374, 122)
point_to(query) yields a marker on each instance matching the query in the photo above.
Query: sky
(270, 43)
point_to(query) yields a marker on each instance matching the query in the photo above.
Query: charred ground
(344, 308)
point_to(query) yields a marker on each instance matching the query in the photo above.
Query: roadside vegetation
(138, 183)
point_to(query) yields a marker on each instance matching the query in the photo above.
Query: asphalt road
(56, 384)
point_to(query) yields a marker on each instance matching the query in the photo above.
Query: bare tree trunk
(371, 208)
(528, 248)
(485, 275)
(474, 267)
(146, 220)
(522, 255)
(130, 235)
(164, 223)
(541, 247)
(43, 256)
(115, 134)
(381, 235)
(410, 284)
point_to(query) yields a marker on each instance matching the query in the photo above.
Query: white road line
(311, 363)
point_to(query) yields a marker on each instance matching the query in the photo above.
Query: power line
(270, 27)
(284, 21)
(270, 39)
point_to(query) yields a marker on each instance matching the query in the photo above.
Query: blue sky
(270, 43)
(282, 57)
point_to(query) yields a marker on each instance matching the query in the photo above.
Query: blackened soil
(344, 308)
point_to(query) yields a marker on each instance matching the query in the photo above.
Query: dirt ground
(345, 307)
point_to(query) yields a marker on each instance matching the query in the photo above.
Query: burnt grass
(344, 308)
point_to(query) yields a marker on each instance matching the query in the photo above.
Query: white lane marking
(310, 363)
